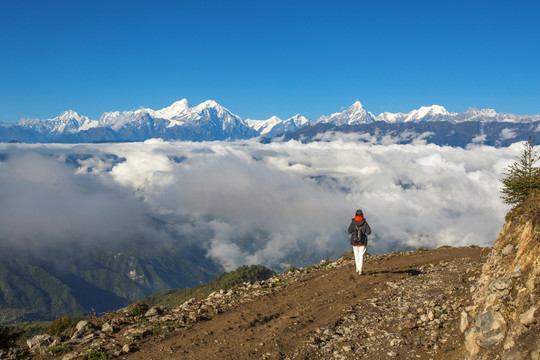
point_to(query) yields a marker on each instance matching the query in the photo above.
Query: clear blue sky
(262, 58)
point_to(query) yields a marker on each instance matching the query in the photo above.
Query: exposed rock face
(504, 321)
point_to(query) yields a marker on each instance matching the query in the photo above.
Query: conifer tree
(523, 177)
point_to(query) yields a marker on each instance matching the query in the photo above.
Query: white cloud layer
(246, 202)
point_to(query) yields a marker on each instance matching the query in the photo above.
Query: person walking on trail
(359, 230)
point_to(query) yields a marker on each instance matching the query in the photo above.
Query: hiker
(359, 230)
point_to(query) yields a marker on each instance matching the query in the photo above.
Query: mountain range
(210, 121)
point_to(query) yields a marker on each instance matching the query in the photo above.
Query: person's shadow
(411, 272)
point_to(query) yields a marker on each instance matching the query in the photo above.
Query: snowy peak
(356, 106)
(211, 107)
(354, 115)
(116, 120)
(299, 120)
(275, 126)
(427, 113)
(391, 117)
(264, 126)
(211, 121)
(171, 111)
(208, 104)
(67, 121)
(70, 115)
(432, 110)
(439, 113)
(472, 112)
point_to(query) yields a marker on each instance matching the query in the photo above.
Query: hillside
(46, 283)
(445, 303)
(317, 312)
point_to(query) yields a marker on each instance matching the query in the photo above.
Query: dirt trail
(280, 324)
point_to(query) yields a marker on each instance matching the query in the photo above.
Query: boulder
(513, 355)
(499, 284)
(464, 321)
(154, 311)
(81, 325)
(35, 343)
(492, 328)
(527, 318)
(108, 328)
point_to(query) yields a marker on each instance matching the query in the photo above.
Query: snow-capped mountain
(210, 121)
(490, 115)
(275, 126)
(179, 113)
(439, 113)
(117, 120)
(179, 121)
(171, 111)
(68, 121)
(354, 115)
(425, 113)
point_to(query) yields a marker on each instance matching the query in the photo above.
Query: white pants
(359, 252)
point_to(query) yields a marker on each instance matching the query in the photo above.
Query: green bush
(292, 268)
(97, 355)
(138, 309)
(60, 325)
(60, 349)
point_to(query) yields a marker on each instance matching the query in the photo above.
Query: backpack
(360, 236)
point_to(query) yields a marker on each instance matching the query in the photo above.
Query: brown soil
(281, 324)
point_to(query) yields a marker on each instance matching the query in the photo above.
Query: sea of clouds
(250, 203)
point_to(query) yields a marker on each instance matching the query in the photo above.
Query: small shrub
(158, 331)
(97, 355)
(171, 324)
(143, 321)
(292, 268)
(442, 312)
(60, 349)
(138, 309)
(60, 325)
(347, 255)
(92, 317)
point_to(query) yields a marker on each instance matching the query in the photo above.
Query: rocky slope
(408, 306)
(447, 303)
(504, 321)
